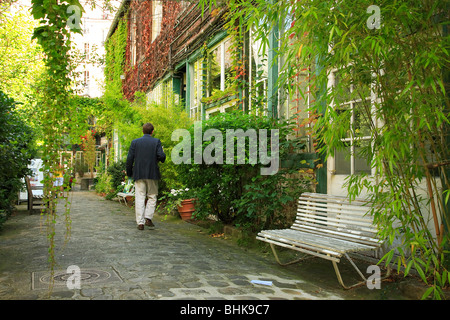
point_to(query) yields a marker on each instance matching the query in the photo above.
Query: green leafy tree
(16, 151)
(20, 59)
(22, 67)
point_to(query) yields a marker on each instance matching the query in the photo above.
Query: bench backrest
(29, 190)
(335, 216)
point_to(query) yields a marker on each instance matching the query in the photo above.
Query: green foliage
(103, 183)
(269, 202)
(391, 87)
(115, 59)
(239, 193)
(165, 120)
(402, 64)
(85, 110)
(117, 108)
(16, 151)
(80, 167)
(22, 67)
(20, 58)
(88, 145)
(53, 100)
(117, 173)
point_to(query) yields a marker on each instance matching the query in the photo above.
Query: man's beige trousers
(145, 188)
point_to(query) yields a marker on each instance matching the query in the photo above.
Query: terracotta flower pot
(129, 200)
(186, 209)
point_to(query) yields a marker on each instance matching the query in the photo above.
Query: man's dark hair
(147, 128)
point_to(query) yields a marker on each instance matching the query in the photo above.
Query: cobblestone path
(176, 260)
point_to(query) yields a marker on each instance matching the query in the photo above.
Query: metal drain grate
(41, 280)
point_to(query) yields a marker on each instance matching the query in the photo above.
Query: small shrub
(238, 193)
(117, 173)
(80, 168)
(103, 184)
(166, 119)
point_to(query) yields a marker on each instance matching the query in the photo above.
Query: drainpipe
(272, 77)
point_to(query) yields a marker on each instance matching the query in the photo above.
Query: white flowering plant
(176, 196)
(182, 193)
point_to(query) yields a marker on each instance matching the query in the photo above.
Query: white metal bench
(122, 196)
(328, 227)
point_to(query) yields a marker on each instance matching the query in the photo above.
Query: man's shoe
(149, 223)
(141, 227)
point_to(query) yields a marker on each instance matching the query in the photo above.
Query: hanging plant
(54, 37)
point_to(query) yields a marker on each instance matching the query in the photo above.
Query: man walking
(142, 165)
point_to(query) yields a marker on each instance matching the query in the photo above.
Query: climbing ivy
(115, 47)
(53, 35)
(86, 110)
(115, 60)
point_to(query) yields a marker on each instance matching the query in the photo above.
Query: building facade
(88, 48)
(177, 54)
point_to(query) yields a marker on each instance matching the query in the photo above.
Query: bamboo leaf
(427, 293)
(438, 277)
(410, 84)
(408, 267)
(331, 34)
(420, 271)
(445, 278)
(388, 257)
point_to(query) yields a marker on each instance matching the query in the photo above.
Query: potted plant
(183, 200)
(80, 168)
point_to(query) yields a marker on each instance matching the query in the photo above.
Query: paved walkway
(176, 260)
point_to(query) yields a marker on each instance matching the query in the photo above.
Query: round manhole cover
(86, 276)
(42, 280)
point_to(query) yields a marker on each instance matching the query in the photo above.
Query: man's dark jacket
(143, 157)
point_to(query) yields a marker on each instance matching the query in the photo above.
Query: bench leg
(30, 205)
(338, 274)
(272, 246)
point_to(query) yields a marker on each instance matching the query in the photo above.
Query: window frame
(196, 70)
(261, 70)
(157, 14)
(86, 79)
(222, 63)
(133, 35)
(353, 138)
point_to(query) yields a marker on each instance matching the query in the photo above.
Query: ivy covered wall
(115, 60)
(148, 59)
(152, 57)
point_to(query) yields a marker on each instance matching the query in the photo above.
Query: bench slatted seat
(328, 227)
